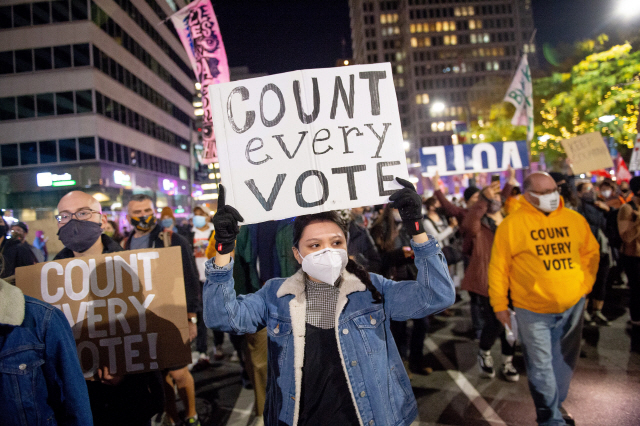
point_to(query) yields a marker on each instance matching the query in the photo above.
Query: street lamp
(628, 8)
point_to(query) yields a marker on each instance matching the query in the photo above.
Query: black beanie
(468, 193)
(634, 185)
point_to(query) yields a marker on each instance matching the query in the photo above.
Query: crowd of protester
(508, 247)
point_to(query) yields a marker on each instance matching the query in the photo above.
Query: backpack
(611, 231)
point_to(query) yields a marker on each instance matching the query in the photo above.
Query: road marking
(243, 410)
(465, 386)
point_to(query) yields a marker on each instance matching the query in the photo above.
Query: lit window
(414, 42)
(383, 19)
(441, 126)
(525, 48)
(398, 56)
(496, 66)
(459, 110)
(400, 69)
(479, 24)
(486, 37)
(501, 51)
(488, 66)
(454, 39)
(395, 17)
(456, 11)
(447, 40)
(434, 127)
(426, 28)
(412, 28)
(464, 11)
(396, 30)
(463, 67)
(427, 41)
(438, 26)
(425, 98)
(452, 26)
(472, 24)
(448, 126)
(456, 69)
(445, 26)
(401, 82)
(532, 48)
(418, 99)
(473, 38)
(474, 52)
(418, 28)
(471, 11)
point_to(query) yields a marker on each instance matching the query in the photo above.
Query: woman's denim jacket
(41, 382)
(378, 382)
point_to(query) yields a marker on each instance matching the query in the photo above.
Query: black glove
(409, 204)
(225, 221)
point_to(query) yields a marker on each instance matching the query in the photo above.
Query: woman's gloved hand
(225, 222)
(409, 204)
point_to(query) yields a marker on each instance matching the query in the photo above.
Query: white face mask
(325, 265)
(606, 193)
(548, 202)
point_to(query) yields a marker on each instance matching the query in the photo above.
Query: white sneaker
(234, 357)
(485, 362)
(509, 372)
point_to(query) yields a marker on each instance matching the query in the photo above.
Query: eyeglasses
(82, 214)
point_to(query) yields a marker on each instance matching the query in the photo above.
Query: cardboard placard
(473, 158)
(587, 153)
(634, 164)
(309, 141)
(127, 309)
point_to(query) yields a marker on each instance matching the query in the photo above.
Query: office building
(95, 95)
(451, 59)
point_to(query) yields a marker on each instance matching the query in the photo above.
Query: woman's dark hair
(301, 222)
(384, 231)
(430, 202)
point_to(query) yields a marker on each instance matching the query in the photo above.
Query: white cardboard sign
(309, 141)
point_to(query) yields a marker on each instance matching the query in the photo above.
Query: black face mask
(143, 223)
(79, 235)
(588, 197)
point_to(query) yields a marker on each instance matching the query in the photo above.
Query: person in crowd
(112, 231)
(478, 230)
(545, 259)
(146, 234)
(168, 220)
(436, 224)
(595, 211)
(130, 399)
(629, 227)
(324, 369)
(625, 190)
(394, 244)
(361, 246)
(470, 196)
(35, 338)
(608, 194)
(566, 189)
(513, 202)
(13, 254)
(40, 242)
(19, 231)
(262, 252)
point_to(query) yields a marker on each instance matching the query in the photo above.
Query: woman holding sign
(332, 359)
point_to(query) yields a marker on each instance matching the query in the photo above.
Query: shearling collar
(12, 304)
(295, 285)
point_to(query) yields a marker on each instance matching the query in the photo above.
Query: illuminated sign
(121, 178)
(51, 179)
(168, 185)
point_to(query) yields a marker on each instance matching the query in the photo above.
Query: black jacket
(363, 249)
(134, 400)
(14, 255)
(191, 277)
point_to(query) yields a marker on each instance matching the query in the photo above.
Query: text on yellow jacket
(547, 262)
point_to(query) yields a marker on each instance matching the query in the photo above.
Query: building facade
(451, 59)
(95, 95)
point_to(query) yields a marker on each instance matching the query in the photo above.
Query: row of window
(452, 40)
(47, 152)
(450, 12)
(45, 105)
(149, 29)
(121, 154)
(388, 18)
(82, 149)
(424, 2)
(463, 67)
(153, 4)
(109, 26)
(443, 83)
(111, 109)
(42, 13)
(44, 58)
(428, 55)
(109, 66)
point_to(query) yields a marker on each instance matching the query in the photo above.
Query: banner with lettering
(127, 310)
(520, 95)
(198, 29)
(309, 141)
(473, 158)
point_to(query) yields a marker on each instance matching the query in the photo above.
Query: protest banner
(587, 153)
(309, 141)
(473, 158)
(127, 310)
(520, 95)
(634, 164)
(197, 27)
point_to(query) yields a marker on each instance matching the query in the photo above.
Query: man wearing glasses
(546, 257)
(130, 399)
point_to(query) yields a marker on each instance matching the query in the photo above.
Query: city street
(604, 390)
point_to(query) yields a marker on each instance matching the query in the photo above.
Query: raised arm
(450, 209)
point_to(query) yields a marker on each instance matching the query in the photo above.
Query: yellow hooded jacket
(548, 262)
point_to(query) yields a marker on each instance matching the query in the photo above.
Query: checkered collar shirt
(321, 303)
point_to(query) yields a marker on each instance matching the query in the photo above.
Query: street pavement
(604, 390)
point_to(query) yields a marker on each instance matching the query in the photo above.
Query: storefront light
(52, 179)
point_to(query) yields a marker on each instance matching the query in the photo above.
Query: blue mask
(167, 223)
(199, 221)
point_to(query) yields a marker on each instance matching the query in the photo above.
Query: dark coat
(14, 255)
(363, 249)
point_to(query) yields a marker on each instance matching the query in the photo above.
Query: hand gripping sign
(127, 309)
(309, 141)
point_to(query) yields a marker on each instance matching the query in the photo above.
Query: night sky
(276, 36)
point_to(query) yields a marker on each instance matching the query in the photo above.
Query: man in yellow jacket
(546, 257)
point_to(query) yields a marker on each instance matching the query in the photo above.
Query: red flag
(622, 172)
